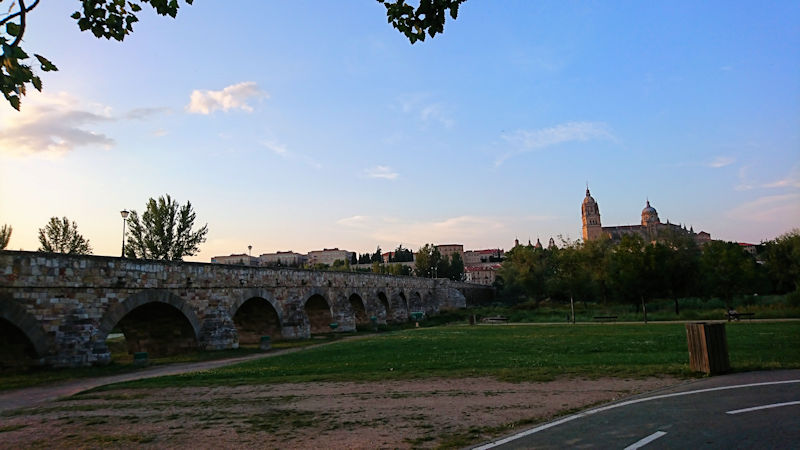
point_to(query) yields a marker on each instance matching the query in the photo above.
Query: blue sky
(308, 124)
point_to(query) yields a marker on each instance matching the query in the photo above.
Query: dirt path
(390, 414)
(28, 397)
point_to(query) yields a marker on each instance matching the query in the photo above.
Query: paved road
(748, 410)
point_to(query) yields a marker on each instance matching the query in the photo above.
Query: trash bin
(266, 343)
(708, 347)
(140, 359)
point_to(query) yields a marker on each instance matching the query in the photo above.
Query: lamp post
(124, 213)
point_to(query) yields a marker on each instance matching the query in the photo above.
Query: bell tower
(590, 214)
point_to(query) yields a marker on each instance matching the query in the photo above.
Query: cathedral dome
(649, 215)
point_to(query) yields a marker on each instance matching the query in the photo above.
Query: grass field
(513, 353)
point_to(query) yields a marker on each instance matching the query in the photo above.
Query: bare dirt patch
(396, 414)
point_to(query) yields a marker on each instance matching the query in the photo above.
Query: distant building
(482, 274)
(650, 229)
(476, 257)
(288, 259)
(328, 256)
(447, 250)
(749, 248)
(241, 260)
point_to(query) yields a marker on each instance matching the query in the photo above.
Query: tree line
(634, 270)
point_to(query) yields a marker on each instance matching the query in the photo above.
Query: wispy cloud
(160, 132)
(771, 208)
(457, 229)
(284, 152)
(721, 161)
(427, 111)
(145, 113)
(791, 180)
(381, 172)
(234, 96)
(523, 141)
(52, 125)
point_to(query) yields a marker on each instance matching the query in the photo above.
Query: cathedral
(649, 229)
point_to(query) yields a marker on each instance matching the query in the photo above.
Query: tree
(428, 17)
(401, 254)
(726, 270)
(456, 271)
(428, 261)
(114, 19)
(61, 236)
(377, 256)
(782, 261)
(5, 236)
(164, 231)
(364, 258)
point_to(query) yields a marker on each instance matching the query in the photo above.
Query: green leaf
(12, 29)
(47, 66)
(14, 100)
(37, 83)
(76, 15)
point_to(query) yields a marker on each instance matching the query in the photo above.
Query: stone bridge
(57, 310)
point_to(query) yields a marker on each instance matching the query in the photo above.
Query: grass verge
(511, 353)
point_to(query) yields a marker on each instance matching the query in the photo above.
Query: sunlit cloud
(51, 126)
(381, 172)
(160, 132)
(235, 96)
(524, 141)
(355, 221)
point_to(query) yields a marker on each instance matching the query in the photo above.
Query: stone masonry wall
(67, 304)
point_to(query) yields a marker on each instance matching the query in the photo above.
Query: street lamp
(124, 213)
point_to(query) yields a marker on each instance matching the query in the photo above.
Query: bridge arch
(358, 307)
(319, 313)
(256, 313)
(383, 303)
(15, 323)
(155, 321)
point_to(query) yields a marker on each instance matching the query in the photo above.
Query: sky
(305, 125)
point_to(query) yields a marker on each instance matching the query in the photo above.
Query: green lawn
(515, 353)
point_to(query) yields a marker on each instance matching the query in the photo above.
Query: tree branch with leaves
(114, 19)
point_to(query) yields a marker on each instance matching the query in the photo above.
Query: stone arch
(21, 335)
(415, 302)
(383, 300)
(403, 301)
(159, 322)
(318, 312)
(359, 309)
(256, 316)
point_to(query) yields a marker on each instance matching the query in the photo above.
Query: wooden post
(572, 307)
(708, 347)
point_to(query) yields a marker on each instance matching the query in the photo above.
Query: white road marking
(756, 408)
(619, 405)
(642, 442)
